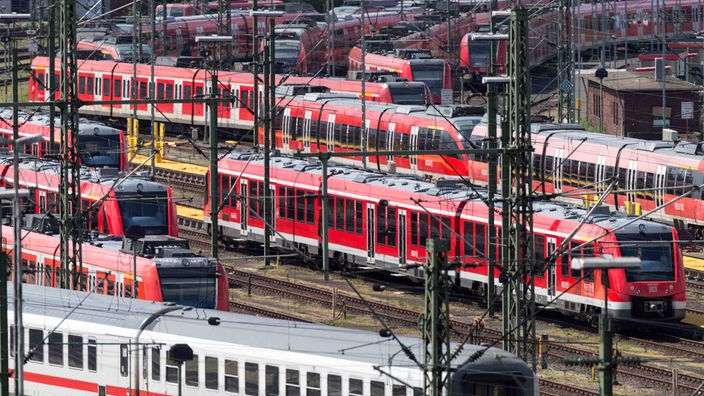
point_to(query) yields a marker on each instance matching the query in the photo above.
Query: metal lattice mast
(436, 321)
(565, 64)
(517, 207)
(70, 183)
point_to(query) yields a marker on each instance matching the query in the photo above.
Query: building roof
(632, 81)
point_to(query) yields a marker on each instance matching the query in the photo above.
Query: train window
(312, 384)
(211, 373)
(290, 203)
(92, 355)
(156, 363)
(282, 202)
(126, 88)
(334, 385)
(89, 86)
(75, 351)
(40, 81)
(186, 91)
(480, 240)
(171, 369)
(434, 227)
(293, 384)
(340, 213)
(538, 254)
(245, 99)
(301, 205)
(106, 87)
(142, 90)
(36, 345)
(192, 371)
(467, 236)
(396, 390)
(414, 229)
(358, 217)
(32, 272)
(589, 275)
(251, 379)
(423, 229)
(169, 91)
(124, 360)
(116, 92)
(232, 382)
(272, 380)
(56, 348)
(356, 387)
(377, 388)
(349, 216)
(81, 85)
(310, 209)
(391, 227)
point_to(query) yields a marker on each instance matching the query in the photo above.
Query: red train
(299, 48)
(347, 33)
(631, 22)
(166, 269)
(98, 144)
(183, 83)
(119, 201)
(324, 122)
(375, 221)
(578, 166)
(413, 65)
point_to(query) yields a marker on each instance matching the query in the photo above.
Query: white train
(77, 344)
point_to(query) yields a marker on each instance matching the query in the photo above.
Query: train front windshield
(286, 54)
(432, 74)
(147, 210)
(100, 150)
(657, 259)
(479, 55)
(407, 95)
(194, 287)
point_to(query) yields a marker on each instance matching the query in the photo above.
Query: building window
(657, 116)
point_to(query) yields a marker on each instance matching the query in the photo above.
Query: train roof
(106, 176)
(234, 328)
(688, 150)
(448, 190)
(86, 126)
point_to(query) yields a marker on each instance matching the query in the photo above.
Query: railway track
(662, 378)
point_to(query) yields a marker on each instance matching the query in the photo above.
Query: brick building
(633, 105)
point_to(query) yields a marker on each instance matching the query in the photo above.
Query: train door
(371, 228)
(243, 206)
(106, 91)
(286, 130)
(120, 284)
(390, 141)
(600, 177)
(559, 158)
(632, 182)
(272, 213)
(142, 92)
(198, 92)
(91, 279)
(552, 270)
(331, 133)
(402, 237)
(660, 185)
(42, 202)
(306, 131)
(413, 146)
